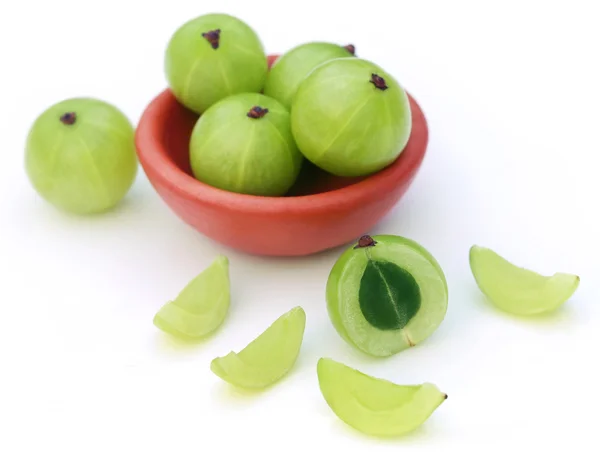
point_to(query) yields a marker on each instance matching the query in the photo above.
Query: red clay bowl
(321, 212)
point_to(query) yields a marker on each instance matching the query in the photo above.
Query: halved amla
(268, 358)
(515, 289)
(385, 294)
(202, 305)
(374, 406)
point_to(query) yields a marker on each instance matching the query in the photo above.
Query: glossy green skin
(290, 69)
(343, 288)
(376, 406)
(84, 168)
(344, 124)
(230, 151)
(199, 75)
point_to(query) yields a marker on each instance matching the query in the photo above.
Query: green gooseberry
(292, 67)
(244, 144)
(385, 294)
(211, 57)
(80, 155)
(350, 117)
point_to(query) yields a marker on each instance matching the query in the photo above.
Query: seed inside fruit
(518, 290)
(386, 293)
(201, 306)
(268, 358)
(375, 406)
(389, 296)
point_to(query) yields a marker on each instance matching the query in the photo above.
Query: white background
(511, 95)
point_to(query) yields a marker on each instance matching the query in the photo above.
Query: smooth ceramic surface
(321, 211)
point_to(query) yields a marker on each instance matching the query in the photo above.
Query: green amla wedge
(202, 305)
(518, 290)
(268, 358)
(374, 406)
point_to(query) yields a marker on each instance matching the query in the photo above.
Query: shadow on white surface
(565, 317)
(233, 396)
(424, 432)
(170, 345)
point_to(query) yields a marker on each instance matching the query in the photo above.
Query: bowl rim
(154, 158)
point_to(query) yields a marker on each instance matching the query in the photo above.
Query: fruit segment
(518, 290)
(374, 406)
(268, 358)
(385, 294)
(201, 307)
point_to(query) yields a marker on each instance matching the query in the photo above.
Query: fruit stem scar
(365, 241)
(350, 48)
(445, 396)
(213, 37)
(68, 118)
(257, 112)
(378, 82)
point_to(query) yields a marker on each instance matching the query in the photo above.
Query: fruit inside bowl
(287, 172)
(178, 133)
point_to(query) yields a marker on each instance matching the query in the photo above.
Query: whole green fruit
(244, 144)
(80, 155)
(350, 117)
(292, 67)
(211, 57)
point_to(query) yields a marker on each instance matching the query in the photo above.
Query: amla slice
(518, 290)
(267, 358)
(202, 305)
(374, 406)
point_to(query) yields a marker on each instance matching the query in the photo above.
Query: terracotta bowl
(321, 212)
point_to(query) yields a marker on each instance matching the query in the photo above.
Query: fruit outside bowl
(320, 212)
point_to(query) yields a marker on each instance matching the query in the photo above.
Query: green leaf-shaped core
(389, 296)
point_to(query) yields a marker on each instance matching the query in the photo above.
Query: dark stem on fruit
(213, 37)
(257, 112)
(350, 48)
(378, 82)
(68, 118)
(365, 241)
(445, 396)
